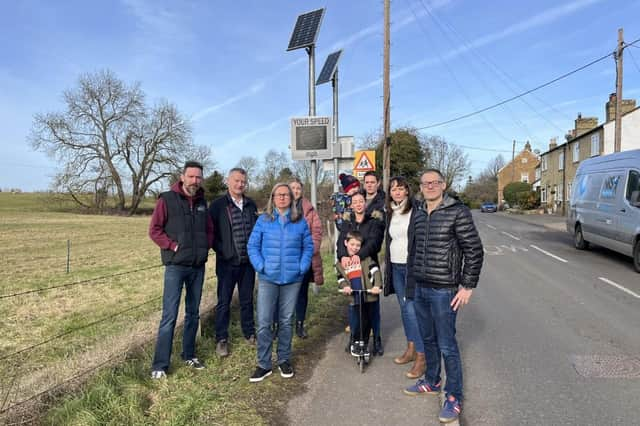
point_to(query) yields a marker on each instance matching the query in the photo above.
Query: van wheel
(578, 239)
(636, 255)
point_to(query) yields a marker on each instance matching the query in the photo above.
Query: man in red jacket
(183, 230)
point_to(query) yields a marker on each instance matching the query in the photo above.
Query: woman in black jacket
(371, 226)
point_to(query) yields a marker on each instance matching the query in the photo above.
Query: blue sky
(224, 64)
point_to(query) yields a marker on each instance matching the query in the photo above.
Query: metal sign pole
(312, 112)
(334, 82)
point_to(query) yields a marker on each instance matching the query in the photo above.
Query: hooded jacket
(181, 227)
(445, 250)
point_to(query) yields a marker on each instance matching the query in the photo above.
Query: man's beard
(192, 189)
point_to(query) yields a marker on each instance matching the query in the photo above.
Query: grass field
(106, 309)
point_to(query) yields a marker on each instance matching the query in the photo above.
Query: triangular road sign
(363, 162)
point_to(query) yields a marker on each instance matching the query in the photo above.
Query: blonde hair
(294, 214)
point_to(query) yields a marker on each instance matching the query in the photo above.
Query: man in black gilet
(233, 216)
(183, 230)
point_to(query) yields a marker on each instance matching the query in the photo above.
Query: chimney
(584, 124)
(553, 143)
(610, 107)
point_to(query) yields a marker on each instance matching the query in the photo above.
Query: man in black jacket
(182, 229)
(233, 217)
(443, 268)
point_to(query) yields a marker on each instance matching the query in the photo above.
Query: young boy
(363, 275)
(341, 201)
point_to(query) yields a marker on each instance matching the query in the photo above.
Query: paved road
(552, 337)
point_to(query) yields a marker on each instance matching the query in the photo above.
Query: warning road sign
(364, 161)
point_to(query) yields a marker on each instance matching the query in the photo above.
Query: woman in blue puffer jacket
(280, 249)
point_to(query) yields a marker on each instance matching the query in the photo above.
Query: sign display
(364, 161)
(311, 138)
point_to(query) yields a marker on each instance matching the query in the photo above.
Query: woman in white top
(399, 212)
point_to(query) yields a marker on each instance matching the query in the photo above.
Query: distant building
(587, 139)
(521, 169)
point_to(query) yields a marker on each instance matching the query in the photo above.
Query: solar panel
(306, 30)
(329, 68)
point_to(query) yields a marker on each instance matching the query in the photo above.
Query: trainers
(450, 410)
(251, 340)
(286, 370)
(222, 348)
(259, 375)
(423, 388)
(357, 348)
(378, 349)
(194, 363)
(158, 374)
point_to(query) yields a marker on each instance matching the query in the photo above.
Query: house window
(555, 192)
(576, 152)
(595, 144)
(569, 185)
(537, 173)
(524, 160)
(544, 164)
(560, 193)
(561, 161)
(543, 195)
(524, 177)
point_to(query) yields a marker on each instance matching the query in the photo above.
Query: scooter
(358, 349)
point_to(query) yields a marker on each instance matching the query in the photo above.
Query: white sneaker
(158, 374)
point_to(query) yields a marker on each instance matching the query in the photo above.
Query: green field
(114, 267)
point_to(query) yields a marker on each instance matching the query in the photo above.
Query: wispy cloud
(404, 19)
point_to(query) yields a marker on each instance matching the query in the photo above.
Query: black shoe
(194, 363)
(300, 331)
(378, 349)
(286, 370)
(259, 375)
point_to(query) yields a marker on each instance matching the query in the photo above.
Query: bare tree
(251, 165)
(448, 158)
(107, 139)
(273, 164)
(494, 166)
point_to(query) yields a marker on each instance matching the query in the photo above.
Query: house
(587, 139)
(521, 169)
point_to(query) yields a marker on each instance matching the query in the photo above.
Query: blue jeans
(175, 276)
(303, 299)
(272, 296)
(407, 308)
(228, 276)
(437, 321)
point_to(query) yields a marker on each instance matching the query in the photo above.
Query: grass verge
(220, 394)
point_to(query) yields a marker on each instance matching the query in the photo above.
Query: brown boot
(408, 355)
(418, 368)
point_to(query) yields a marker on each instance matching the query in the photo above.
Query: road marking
(549, 254)
(509, 235)
(490, 226)
(619, 287)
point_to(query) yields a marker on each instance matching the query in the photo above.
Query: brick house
(521, 169)
(587, 139)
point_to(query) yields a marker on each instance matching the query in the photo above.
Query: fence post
(68, 255)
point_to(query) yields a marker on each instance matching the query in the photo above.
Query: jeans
(303, 299)
(272, 296)
(437, 321)
(407, 308)
(175, 276)
(228, 276)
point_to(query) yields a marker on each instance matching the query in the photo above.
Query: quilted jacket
(280, 250)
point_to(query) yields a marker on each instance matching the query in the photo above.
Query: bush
(517, 193)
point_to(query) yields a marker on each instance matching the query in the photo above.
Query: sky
(225, 66)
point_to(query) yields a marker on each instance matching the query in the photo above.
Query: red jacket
(315, 225)
(159, 219)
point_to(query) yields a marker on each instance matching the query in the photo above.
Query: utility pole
(386, 149)
(617, 142)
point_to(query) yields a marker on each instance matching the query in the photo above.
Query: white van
(605, 204)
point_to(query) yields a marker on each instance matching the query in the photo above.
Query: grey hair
(294, 213)
(238, 170)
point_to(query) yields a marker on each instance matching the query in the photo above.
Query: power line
(633, 59)
(66, 333)
(6, 296)
(563, 76)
